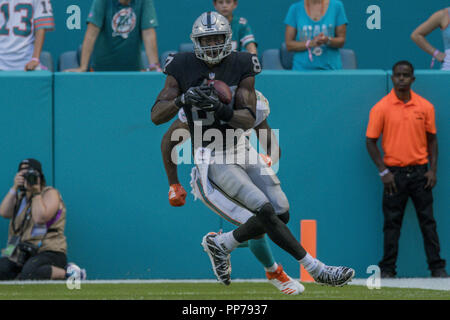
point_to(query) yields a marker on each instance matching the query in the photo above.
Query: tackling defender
(220, 204)
(260, 193)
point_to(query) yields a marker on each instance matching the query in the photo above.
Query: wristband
(329, 41)
(435, 53)
(309, 50)
(35, 59)
(154, 66)
(384, 172)
(179, 101)
(12, 191)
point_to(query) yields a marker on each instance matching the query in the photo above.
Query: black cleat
(439, 273)
(220, 258)
(335, 276)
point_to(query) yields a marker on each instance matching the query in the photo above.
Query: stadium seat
(270, 60)
(286, 57)
(144, 60)
(186, 47)
(47, 60)
(348, 58)
(68, 60)
(79, 57)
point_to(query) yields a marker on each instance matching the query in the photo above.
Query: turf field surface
(238, 290)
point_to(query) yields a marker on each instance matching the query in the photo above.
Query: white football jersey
(19, 20)
(262, 110)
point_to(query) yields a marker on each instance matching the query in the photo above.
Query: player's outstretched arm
(165, 108)
(245, 110)
(169, 141)
(269, 141)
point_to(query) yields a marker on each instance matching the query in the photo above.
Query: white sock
(273, 268)
(227, 240)
(312, 265)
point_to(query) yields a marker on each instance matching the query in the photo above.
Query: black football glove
(190, 97)
(212, 103)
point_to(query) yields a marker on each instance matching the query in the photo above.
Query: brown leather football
(223, 90)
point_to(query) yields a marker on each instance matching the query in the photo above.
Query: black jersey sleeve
(173, 66)
(249, 64)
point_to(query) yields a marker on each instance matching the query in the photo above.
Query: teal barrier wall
(108, 167)
(26, 119)
(376, 48)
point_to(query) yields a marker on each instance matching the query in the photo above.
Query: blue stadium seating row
(271, 59)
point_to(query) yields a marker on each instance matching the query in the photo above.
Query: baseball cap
(32, 163)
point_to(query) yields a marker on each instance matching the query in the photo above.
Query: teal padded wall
(26, 120)
(108, 167)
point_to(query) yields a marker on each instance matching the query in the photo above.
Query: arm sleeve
(149, 19)
(291, 17)
(97, 13)
(43, 15)
(375, 126)
(430, 123)
(341, 17)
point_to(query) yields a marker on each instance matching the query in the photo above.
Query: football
(223, 90)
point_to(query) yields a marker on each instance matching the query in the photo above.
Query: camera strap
(25, 220)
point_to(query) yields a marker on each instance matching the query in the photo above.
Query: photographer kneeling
(37, 247)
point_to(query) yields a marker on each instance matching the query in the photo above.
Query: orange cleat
(283, 282)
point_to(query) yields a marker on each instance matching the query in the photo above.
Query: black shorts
(38, 267)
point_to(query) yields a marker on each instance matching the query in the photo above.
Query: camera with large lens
(26, 250)
(31, 176)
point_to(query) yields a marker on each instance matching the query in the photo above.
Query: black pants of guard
(38, 267)
(410, 182)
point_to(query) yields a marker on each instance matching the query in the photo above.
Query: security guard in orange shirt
(408, 169)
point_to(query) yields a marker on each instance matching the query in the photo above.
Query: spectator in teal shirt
(315, 30)
(118, 28)
(242, 37)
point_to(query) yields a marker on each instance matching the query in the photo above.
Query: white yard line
(419, 283)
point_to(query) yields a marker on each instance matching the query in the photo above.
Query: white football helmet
(211, 23)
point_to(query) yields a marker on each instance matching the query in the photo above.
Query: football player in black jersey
(220, 204)
(252, 185)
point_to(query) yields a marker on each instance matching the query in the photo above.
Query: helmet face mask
(209, 45)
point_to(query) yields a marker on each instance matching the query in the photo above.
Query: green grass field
(208, 291)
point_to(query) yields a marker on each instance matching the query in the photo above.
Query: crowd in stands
(315, 35)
